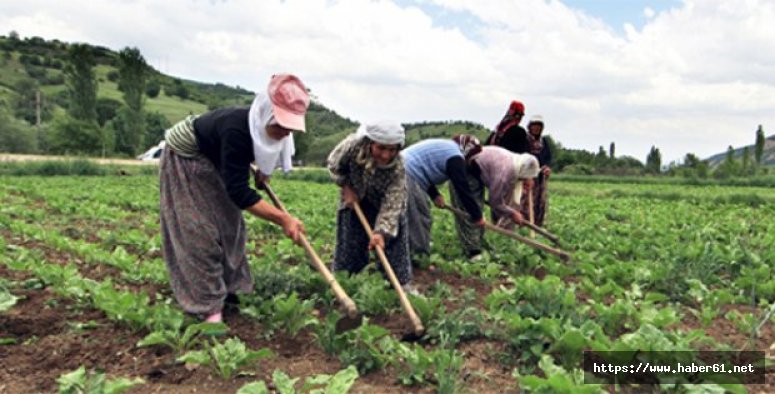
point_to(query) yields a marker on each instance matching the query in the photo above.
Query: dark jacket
(223, 136)
(513, 139)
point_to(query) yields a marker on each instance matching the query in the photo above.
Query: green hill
(33, 64)
(768, 155)
(42, 62)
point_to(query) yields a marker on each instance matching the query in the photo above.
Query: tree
(25, 103)
(612, 150)
(73, 136)
(746, 162)
(181, 91)
(107, 108)
(82, 83)
(155, 125)
(759, 149)
(729, 166)
(16, 136)
(654, 161)
(601, 158)
(302, 143)
(133, 73)
(697, 166)
(153, 88)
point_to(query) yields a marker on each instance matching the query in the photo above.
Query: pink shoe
(216, 317)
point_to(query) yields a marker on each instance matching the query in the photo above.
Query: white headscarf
(267, 150)
(387, 133)
(285, 161)
(525, 166)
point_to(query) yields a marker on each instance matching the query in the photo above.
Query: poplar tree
(133, 74)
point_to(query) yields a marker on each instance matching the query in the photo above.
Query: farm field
(659, 267)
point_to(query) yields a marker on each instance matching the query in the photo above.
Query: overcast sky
(686, 76)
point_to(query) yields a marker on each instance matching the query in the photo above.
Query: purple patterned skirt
(203, 234)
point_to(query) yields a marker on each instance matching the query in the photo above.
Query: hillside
(34, 62)
(768, 157)
(31, 64)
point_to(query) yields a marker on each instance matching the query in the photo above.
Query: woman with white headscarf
(504, 173)
(368, 168)
(204, 181)
(539, 148)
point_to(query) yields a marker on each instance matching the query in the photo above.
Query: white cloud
(695, 78)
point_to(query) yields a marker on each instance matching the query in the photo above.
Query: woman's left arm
(393, 203)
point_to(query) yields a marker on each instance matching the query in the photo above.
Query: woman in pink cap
(204, 181)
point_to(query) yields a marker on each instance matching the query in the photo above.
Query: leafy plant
(226, 358)
(447, 372)
(459, 325)
(7, 300)
(179, 342)
(745, 322)
(535, 298)
(254, 388)
(128, 307)
(326, 335)
(362, 347)
(339, 383)
(134, 309)
(291, 314)
(558, 380)
(374, 295)
(82, 382)
(416, 365)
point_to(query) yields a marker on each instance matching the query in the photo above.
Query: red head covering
(516, 108)
(512, 117)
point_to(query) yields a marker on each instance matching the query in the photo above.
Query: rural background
(670, 252)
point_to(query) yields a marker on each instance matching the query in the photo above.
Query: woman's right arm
(292, 227)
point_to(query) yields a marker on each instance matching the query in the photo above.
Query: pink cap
(289, 101)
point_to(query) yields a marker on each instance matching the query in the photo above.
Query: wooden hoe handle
(561, 253)
(418, 327)
(341, 295)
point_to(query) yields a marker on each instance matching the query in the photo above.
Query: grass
(75, 166)
(753, 181)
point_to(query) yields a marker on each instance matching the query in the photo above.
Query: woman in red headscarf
(509, 134)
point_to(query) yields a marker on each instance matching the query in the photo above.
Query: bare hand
(517, 218)
(480, 223)
(348, 196)
(528, 184)
(377, 240)
(547, 171)
(439, 201)
(293, 228)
